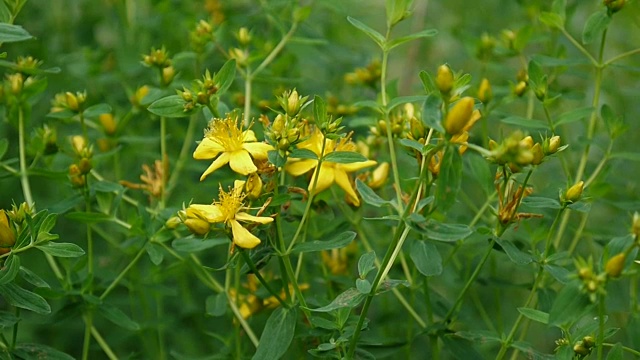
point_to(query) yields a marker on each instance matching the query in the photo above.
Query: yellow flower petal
(257, 149)
(241, 162)
(212, 213)
(342, 179)
(242, 237)
(325, 180)
(299, 167)
(242, 216)
(207, 149)
(238, 186)
(222, 160)
(356, 165)
(248, 135)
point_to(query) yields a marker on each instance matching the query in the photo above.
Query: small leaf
(403, 39)
(61, 249)
(552, 20)
(224, 78)
(350, 298)
(32, 278)
(24, 299)
(426, 257)
(10, 269)
(524, 122)
(216, 305)
(155, 252)
(559, 273)
(277, 335)
(39, 351)
(389, 284)
(13, 33)
(595, 25)
(574, 115)
(303, 154)
(319, 110)
(460, 348)
(344, 157)
(118, 317)
(413, 144)
(479, 336)
(538, 202)
(366, 263)
(553, 62)
(339, 241)
(369, 104)
(374, 35)
(363, 286)
(616, 352)
(192, 244)
(171, 106)
(88, 217)
(450, 179)
(369, 196)
(404, 100)
(535, 315)
(513, 252)
(96, 110)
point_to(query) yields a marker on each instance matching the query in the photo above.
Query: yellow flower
(330, 172)
(228, 143)
(230, 210)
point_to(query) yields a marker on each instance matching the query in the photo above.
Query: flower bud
(78, 143)
(417, 128)
(589, 341)
(527, 142)
(72, 101)
(520, 88)
(379, 176)
(16, 81)
(139, 95)
(585, 273)
(635, 227)
(243, 36)
(614, 5)
(108, 123)
(172, 222)
(7, 235)
(538, 154)
(574, 193)
(493, 144)
(278, 124)
(293, 103)
(552, 145)
(459, 116)
(239, 55)
(85, 166)
(197, 226)
(253, 186)
(580, 349)
(444, 79)
(168, 73)
(484, 92)
(615, 265)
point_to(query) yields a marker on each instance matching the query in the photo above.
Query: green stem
(164, 159)
(575, 43)
(103, 344)
(186, 146)
(88, 324)
(627, 349)
(264, 283)
(14, 334)
(621, 56)
(116, 281)
(601, 315)
(24, 176)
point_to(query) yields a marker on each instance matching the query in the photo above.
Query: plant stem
(601, 315)
(184, 151)
(264, 283)
(164, 160)
(24, 176)
(103, 344)
(88, 323)
(122, 274)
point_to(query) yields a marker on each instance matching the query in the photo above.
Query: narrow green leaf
(369, 196)
(61, 249)
(436, 230)
(538, 202)
(427, 82)
(39, 351)
(426, 257)
(4, 145)
(633, 156)
(568, 306)
(303, 154)
(88, 217)
(339, 241)
(319, 110)
(350, 298)
(395, 102)
(559, 273)
(216, 305)
(514, 253)
(192, 244)
(13, 33)
(450, 179)
(106, 186)
(390, 284)
(369, 104)
(344, 157)
(559, 7)
(535, 315)
(366, 263)
(524, 122)
(616, 352)
(171, 106)
(96, 110)
(460, 348)
(535, 72)
(118, 317)
(479, 336)
(224, 78)
(48, 223)
(33, 278)
(431, 114)
(277, 335)
(552, 20)
(574, 115)
(374, 35)
(7, 319)
(10, 269)
(403, 39)
(413, 144)
(595, 25)
(24, 299)
(545, 60)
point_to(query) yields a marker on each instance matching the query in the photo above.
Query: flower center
(230, 203)
(226, 132)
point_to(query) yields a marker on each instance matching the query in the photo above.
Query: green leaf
(350, 298)
(404, 100)
(559, 273)
(426, 257)
(13, 33)
(25, 299)
(427, 82)
(369, 104)
(389, 284)
(192, 244)
(616, 352)
(155, 252)
(4, 145)
(535, 315)
(366, 263)
(403, 39)
(171, 106)
(479, 336)
(344, 157)
(61, 249)
(559, 7)
(216, 305)
(48, 223)
(538, 202)
(514, 253)
(436, 230)
(633, 156)
(34, 351)
(97, 110)
(524, 122)
(106, 186)
(224, 78)
(553, 62)
(118, 317)
(32, 278)
(568, 306)
(88, 217)
(339, 241)
(535, 72)
(319, 110)
(374, 35)
(277, 335)
(363, 286)
(461, 348)
(10, 269)
(552, 20)
(574, 115)
(450, 179)
(303, 154)
(369, 196)
(413, 144)
(7, 319)
(595, 25)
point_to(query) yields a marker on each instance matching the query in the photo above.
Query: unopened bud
(417, 128)
(16, 81)
(589, 341)
(197, 226)
(278, 124)
(553, 145)
(585, 273)
(72, 101)
(520, 88)
(253, 186)
(580, 349)
(635, 227)
(614, 5)
(527, 142)
(444, 79)
(7, 236)
(293, 103)
(140, 93)
(574, 193)
(538, 154)
(168, 73)
(615, 265)
(459, 116)
(85, 166)
(108, 123)
(78, 143)
(484, 92)
(172, 222)
(379, 176)
(243, 36)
